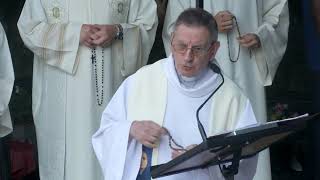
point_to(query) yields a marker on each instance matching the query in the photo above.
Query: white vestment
(268, 19)
(161, 97)
(65, 107)
(6, 84)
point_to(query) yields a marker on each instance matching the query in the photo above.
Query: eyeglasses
(173, 144)
(197, 51)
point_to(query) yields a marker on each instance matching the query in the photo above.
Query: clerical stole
(145, 166)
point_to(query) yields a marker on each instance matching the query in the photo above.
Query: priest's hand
(105, 35)
(176, 153)
(224, 21)
(147, 133)
(250, 41)
(85, 35)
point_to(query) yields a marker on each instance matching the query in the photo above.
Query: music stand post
(231, 147)
(230, 171)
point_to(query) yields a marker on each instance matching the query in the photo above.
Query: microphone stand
(231, 170)
(217, 70)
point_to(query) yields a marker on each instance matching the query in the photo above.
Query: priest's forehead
(196, 17)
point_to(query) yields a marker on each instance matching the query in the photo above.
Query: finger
(149, 145)
(96, 27)
(191, 146)
(152, 139)
(250, 44)
(224, 13)
(94, 36)
(226, 28)
(244, 39)
(227, 23)
(176, 153)
(100, 41)
(89, 45)
(227, 17)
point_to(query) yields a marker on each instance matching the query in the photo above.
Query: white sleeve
(6, 84)
(114, 149)
(138, 35)
(247, 117)
(273, 35)
(55, 43)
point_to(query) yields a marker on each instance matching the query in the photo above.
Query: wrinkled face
(191, 49)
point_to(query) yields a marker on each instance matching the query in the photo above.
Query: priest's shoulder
(231, 89)
(154, 69)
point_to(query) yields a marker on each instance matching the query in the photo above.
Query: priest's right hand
(147, 133)
(86, 33)
(224, 21)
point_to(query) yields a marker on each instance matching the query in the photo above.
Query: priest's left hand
(105, 35)
(250, 41)
(176, 153)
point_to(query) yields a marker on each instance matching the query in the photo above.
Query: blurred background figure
(83, 50)
(6, 86)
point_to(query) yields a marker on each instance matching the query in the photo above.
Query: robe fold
(6, 84)
(64, 97)
(154, 93)
(269, 19)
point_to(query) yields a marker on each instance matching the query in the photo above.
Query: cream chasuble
(152, 94)
(6, 84)
(268, 19)
(65, 107)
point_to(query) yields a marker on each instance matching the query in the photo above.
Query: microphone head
(214, 67)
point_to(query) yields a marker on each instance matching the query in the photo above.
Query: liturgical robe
(268, 19)
(6, 84)
(156, 93)
(65, 107)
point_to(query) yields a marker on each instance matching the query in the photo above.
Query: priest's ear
(213, 49)
(171, 37)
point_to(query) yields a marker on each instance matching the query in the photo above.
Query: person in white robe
(249, 56)
(6, 84)
(83, 50)
(162, 99)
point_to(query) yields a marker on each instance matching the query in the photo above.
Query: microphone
(215, 68)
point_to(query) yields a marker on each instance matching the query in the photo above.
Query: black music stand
(231, 147)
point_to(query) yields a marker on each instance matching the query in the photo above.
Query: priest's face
(192, 49)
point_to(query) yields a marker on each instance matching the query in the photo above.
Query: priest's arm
(273, 36)
(56, 41)
(114, 148)
(52, 39)
(138, 35)
(6, 81)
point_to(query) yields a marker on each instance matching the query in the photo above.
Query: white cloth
(122, 160)
(6, 84)
(65, 107)
(268, 19)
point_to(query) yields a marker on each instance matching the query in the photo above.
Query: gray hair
(196, 17)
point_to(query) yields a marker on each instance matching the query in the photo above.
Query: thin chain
(171, 140)
(238, 30)
(94, 63)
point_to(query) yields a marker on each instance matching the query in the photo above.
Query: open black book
(223, 148)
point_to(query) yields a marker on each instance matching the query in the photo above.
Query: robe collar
(199, 86)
